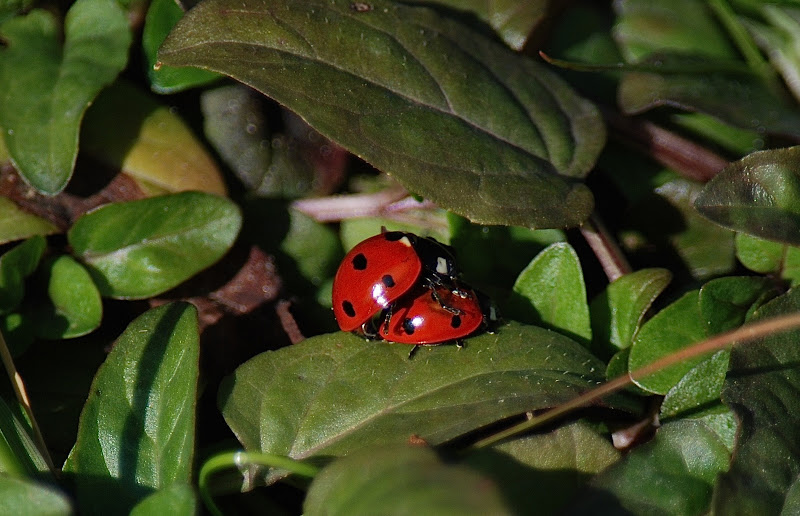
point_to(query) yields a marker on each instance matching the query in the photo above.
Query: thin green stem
(741, 335)
(243, 459)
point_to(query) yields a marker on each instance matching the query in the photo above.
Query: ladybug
(435, 314)
(379, 270)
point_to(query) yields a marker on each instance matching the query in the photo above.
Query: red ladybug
(379, 270)
(433, 315)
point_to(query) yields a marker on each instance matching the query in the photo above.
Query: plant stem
(605, 248)
(747, 333)
(243, 459)
(22, 396)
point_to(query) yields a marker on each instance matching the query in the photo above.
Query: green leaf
(335, 393)
(779, 39)
(162, 15)
(19, 456)
(736, 97)
(141, 248)
(645, 27)
(721, 305)
(16, 224)
(388, 84)
(74, 307)
(16, 265)
(758, 195)
(127, 130)
(550, 292)
(513, 20)
(46, 87)
(401, 480)
(672, 474)
(767, 257)
(698, 390)
(176, 500)
(543, 472)
(23, 497)
(9, 8)
(763, 389)
(618, 311)
(136, 433)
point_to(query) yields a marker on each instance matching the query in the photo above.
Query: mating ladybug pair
(404, 288)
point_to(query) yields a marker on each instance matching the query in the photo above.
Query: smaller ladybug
(382, 268)
(430, 315)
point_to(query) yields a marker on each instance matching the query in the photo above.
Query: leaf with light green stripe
(456, 118)
(136, 432)
(46, 87)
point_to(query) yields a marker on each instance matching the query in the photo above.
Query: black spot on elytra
(347, 306)
(455, 321)
(359, 262)
(408, 326)
(388, 280)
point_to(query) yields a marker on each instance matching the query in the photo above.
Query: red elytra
(433, 315)
(372, 275)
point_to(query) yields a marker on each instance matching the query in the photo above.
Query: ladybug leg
(413, 351)
(454, 311)
(460, 344)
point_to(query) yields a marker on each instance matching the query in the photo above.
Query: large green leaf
(334, 393)
(758, 195)
(136, 433)
(16, 224)
(763, 389)
(739, 98)
(141, 248)
(542, 472)
(24, 497)
(550, 292)
(397, 480)
(456, 118)
(46, 87)
(512, 19)
(768, 257)
(672, 474)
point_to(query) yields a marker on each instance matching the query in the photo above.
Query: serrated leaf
(618, 311)
(335, 393)
(46, 87)
(141, 248)
(758, 195)
(684, 26)
(388, 84)
(395, 480)
(736, 97)
(762, 389)
(16, 224)
(765, 256)
(136, 433)
(74, 306)
(16, 265)
(686, 456)
(176, 500)
(512, 19)
(24, 497)
(540, 473)
(127, 130)
(161, 17)
(550, 292)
